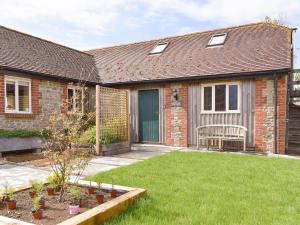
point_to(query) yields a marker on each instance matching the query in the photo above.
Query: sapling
(99, 195)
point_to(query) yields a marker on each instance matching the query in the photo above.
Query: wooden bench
(221, 133)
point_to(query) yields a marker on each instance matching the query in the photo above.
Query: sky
(98, 23)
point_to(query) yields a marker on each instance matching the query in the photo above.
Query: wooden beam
(98, 147)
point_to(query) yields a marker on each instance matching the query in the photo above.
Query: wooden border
(96, 215)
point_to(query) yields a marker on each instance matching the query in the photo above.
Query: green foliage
(36, 202)
(37, 186)
(75, 193)
(23, 133)
(54, 180)
(8, 191)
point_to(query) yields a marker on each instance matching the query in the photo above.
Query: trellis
(111, 116)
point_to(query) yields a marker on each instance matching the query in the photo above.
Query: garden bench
(221, 133)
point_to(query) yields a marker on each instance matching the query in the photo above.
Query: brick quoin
(260, 115)
(64, 97)
(181, 114)
(2, 100)
(281, 113)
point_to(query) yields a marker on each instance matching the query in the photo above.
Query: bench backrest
(220, 130)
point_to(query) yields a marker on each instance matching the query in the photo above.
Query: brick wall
(176, 115)
(264, 114)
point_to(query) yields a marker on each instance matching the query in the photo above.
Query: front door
(149, 115)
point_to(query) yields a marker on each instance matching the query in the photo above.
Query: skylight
(217, 39)
(159, 48)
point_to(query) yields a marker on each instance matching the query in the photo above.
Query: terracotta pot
(91, 190)
(113, 194)
(37, 215)
(74, 209)
(11, 205)
(42, 204)
(50, 191)
(32, 194)
(100, 198)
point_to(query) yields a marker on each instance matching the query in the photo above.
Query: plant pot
(11, 204)
(91, 190)
(42, 204)
(37, 214)
(74, 209)
(50, 191)
(113, 194)
(100, 198)
(32, 194)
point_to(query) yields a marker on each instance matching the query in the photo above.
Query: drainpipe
(275, 113)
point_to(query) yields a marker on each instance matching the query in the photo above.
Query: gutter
(245, 75)
(49, 76)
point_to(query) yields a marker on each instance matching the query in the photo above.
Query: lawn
(211, 189)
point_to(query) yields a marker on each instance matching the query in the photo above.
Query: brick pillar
(35, 96)
(264, 114)
(64, 98)
(176, 115)
(281, 113)
(2, 100)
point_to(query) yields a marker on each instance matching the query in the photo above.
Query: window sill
(225, 112)
(19, 115)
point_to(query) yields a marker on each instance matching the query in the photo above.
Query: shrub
(23, 133)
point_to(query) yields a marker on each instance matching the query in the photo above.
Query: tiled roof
(27, 53)
(248, 48)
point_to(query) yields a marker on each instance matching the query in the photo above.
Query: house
(37, 77)
(236, 75)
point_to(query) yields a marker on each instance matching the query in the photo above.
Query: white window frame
(153, 52)
(213, 85)
(74, 88)
(217, 35)
(17, 80)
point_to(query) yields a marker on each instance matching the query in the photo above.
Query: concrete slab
(140, 155)
(17, 175)
(114, 161)
(93, 168)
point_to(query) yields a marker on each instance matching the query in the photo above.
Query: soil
(55, 212)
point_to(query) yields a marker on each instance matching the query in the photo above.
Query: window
(17, 95)
(75, 100)
(218, 39)
(159, 48)
(220, 98)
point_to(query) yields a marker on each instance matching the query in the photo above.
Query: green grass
(211, 189)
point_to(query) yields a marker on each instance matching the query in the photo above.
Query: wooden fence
(112, 116)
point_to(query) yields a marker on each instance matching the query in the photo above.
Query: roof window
(159, 48)
(217, 39)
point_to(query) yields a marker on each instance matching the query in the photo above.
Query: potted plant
(99, 194)
(5, 191)
(37, 187)
(51, 185)
(113, 192)
(91, 189)
(37, 212)
(74, 206)
(11, 203)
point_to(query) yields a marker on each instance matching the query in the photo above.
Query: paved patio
(18, 174)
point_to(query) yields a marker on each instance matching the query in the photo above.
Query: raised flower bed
(58, 213)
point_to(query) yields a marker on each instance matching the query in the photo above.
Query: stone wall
(47, 97)
(176, 115)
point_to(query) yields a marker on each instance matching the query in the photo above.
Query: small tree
(62, 147)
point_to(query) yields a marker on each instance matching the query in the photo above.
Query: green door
(148, 116)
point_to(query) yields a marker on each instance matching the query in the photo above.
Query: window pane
(207, 98)
(23, 96)
(220, 97)
(10, 95)
(217, 39)
(233, 97)
(78, 101)
(70, 100)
